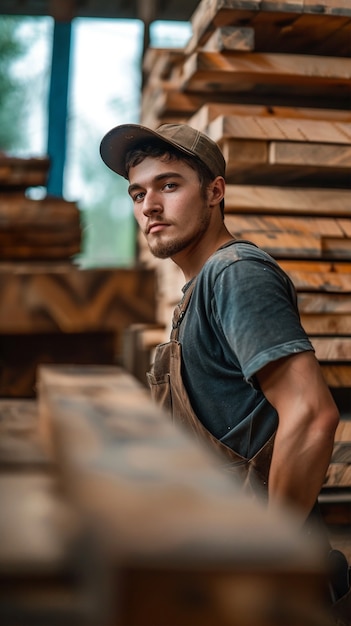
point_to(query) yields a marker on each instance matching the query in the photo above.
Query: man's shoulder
(239, 250)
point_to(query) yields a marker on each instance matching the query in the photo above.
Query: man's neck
(192, 260)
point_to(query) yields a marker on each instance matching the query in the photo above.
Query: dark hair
(136, 155)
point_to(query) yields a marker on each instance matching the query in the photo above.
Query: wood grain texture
(284, 25)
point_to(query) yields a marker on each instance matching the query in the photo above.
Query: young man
(242, 371)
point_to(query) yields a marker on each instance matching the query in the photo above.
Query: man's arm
(308, 418)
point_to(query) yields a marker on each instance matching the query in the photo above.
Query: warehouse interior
(105, 502)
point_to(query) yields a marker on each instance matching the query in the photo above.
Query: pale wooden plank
(209, 111)
(318, 226)
(343, 431)
(338, 475)
(272, 163)
(330, 282)
(287, 200)
(279, 128)
(324, 303)
(285, 244)
(342, 453)
(326, 323)
(332, 348)
(316, 155)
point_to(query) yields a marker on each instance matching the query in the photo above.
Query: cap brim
(119, 140)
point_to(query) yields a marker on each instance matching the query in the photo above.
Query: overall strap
(179, 311)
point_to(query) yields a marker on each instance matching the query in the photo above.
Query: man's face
(168, 205)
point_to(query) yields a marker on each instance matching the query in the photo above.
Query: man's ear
(216, 190)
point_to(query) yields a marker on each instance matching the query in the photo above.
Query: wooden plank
(20, 173)
(299, 236)
(30, 528)
(19, 212)
(326, 323)
(209, 111)
(343, 431)
(342, 453)
(338, 475)
(330, 282)
(20, 445)
(38, 240)
(272, 163)
(332, 348)
(204, 69)
(337, 375)
(160, 62)
(64, 298)
(337, 247)
(285, 245)
(287, 201)
(279, 128)
(337, 267)
(43, 577)
(23, 252)
(317, 155)
(282, 24)
(134, 465)
(319, 226)
(324, 303)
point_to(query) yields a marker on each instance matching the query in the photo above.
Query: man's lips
(156, 227)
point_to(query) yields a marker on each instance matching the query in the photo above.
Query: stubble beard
(167, 249)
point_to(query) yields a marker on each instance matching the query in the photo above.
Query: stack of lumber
(48, 228)
(60, 313)
(106, 523)
(51, 311)
(270, 82)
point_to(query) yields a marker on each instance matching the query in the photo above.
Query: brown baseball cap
(118, 141)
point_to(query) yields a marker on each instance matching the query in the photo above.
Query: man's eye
(170, 186)
(138, 196)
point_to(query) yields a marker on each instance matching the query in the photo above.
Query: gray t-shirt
(242, 315)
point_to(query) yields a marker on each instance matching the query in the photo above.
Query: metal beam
(58, 106)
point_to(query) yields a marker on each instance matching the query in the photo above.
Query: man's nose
(151, 203)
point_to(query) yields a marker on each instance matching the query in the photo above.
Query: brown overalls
(167, 389)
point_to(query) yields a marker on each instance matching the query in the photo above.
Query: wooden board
(203, 69)
(135, 464)
(284, 25)
(332, 348)
(291, 201)
(272, 163)
(60, 297)
(300, 130)
(17, 212)
(21, 173)
(20, 445)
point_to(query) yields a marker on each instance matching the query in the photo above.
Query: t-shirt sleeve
(255, 308)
